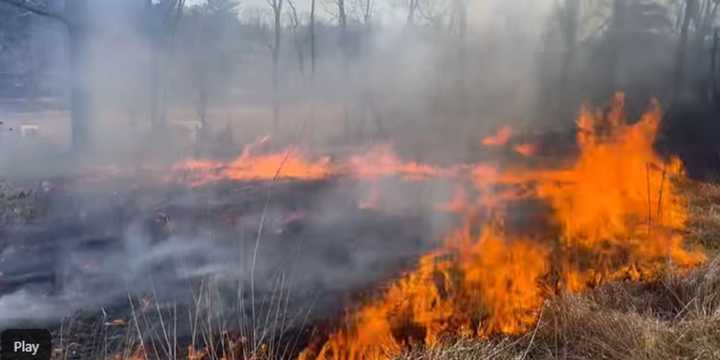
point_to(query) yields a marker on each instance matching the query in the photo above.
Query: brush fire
(610, 213)
(617, 216)
(400, 180)
(614, 213)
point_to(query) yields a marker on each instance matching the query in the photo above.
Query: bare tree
(707, 11)
(277, 7)
(74, 17)
(163, 20)
(690, 11)
(705, 20)
(342, 24)
(343, 44)
(617, 29)
(412, 9)
(312, 39)
(715, 70)
(368, 102)
(297, 37)
(570, 28)
(368, 7)
(458, 26)
(432, 12)
(80, 27)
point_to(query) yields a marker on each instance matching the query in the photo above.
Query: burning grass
(287, 164)
(675, 317)
(610, 267)
(618, 214)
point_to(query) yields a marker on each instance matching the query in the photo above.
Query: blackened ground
(90, 248)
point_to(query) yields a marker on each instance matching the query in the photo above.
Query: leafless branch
(37, 10)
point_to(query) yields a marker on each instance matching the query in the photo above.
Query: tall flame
(618, 215)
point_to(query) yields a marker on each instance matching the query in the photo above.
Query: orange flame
(493, 286)
(381, 161)
(526, 149)
(287, 164)
(619, 217)
(500, 138)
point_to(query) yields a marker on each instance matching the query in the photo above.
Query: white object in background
(29, 130)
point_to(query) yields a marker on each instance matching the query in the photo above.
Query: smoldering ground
(94, 249)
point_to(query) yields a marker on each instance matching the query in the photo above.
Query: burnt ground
(92, 258)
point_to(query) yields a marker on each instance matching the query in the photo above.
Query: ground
(675, 317)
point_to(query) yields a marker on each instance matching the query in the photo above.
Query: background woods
(348, 69)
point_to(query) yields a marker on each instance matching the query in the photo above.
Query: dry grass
(704, 226)
(677, 317)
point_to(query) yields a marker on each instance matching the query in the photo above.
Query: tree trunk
(342, 23)
(714, 71)
(617, 31)
(570, 25)
(32, 74)
(342, 18)
(301, 57)
(410, 20)
(705, 20)
(164, 44)
(155, 89)
(277, 11)
(203, 104)
(367, 15)
(697, 55)
(679, 74)
(297, 39)
(77, 40)
(80, 92)
(461, 18)
(310, 134)
(312, 40)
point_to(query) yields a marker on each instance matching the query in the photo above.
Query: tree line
(432, 56)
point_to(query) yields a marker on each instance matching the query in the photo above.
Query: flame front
(381, 161)
(287, 164)
(618, 215)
